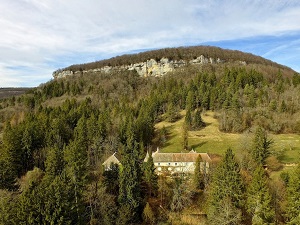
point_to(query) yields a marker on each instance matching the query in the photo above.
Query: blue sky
(40, 36)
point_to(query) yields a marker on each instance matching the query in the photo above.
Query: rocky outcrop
(149, 68)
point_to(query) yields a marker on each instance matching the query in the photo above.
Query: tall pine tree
(198, 175)
(293, 198)
(198, 122)
(130, 197)
(226, 186)
(150, 177)
(188, 119)
(261, 146)
(76, 163)
(259, 202)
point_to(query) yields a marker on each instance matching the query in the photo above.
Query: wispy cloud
(39, 36)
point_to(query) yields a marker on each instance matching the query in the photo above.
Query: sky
(40, 36)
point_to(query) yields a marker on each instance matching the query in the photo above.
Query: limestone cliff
(149, 68)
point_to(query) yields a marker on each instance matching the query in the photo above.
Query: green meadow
(211, 140)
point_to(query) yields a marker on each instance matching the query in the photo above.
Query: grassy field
(211, 140)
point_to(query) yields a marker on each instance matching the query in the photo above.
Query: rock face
(149, 68)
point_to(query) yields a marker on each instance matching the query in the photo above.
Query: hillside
(245, 113)
(160, 62)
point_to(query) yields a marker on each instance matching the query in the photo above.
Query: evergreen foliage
(198, 122)
(76, 164)
(150, 177)
(148, 214)
(185, 137)
(198, 174)
(55, 137)
(226, 184)
(111, 177)
(259, 201)
(130, 196)
(181, 195)
(172, 113)
(188, 119)
(261, 146)
(293, 198)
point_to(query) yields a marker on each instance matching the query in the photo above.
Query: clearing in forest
(211, 140)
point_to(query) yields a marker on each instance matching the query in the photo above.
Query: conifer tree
(198, 122)
(293, 197)
(259, 202)
(226, 184)
(130, 198)
(76, 163)
(110, 180)
(198, 175)
(29, 210)
(261, 146)
(185, 137)
(8, 208)
(181, 195)
(190, 100)
(76, 153)
(8, 172)
(188, 119)
(150, 176)
(59, 200)
(55, 161)
(10, 157)
(172, 113)
(148, 214)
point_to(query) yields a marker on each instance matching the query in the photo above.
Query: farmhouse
(170, 162)
(179, 162)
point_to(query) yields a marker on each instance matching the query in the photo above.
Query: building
(179, 162)
(113, 159)
(170, 162)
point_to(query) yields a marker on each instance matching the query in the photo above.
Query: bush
(273, 164)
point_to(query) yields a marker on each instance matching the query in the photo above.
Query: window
(175, 164)
(169, 164)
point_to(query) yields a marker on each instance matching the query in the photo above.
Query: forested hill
(54, 139)
(177, 57)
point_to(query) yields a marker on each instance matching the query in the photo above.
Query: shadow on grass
(201, 128)
(198, 145)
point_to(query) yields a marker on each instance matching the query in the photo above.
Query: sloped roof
(205, 157)
(179, 157)
(111, 159)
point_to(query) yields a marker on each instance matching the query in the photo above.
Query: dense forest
(55, 138)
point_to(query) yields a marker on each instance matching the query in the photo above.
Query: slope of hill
(160, 62)
(54, 139)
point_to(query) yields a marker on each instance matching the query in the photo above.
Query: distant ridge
(11, 91)
(180, 53)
